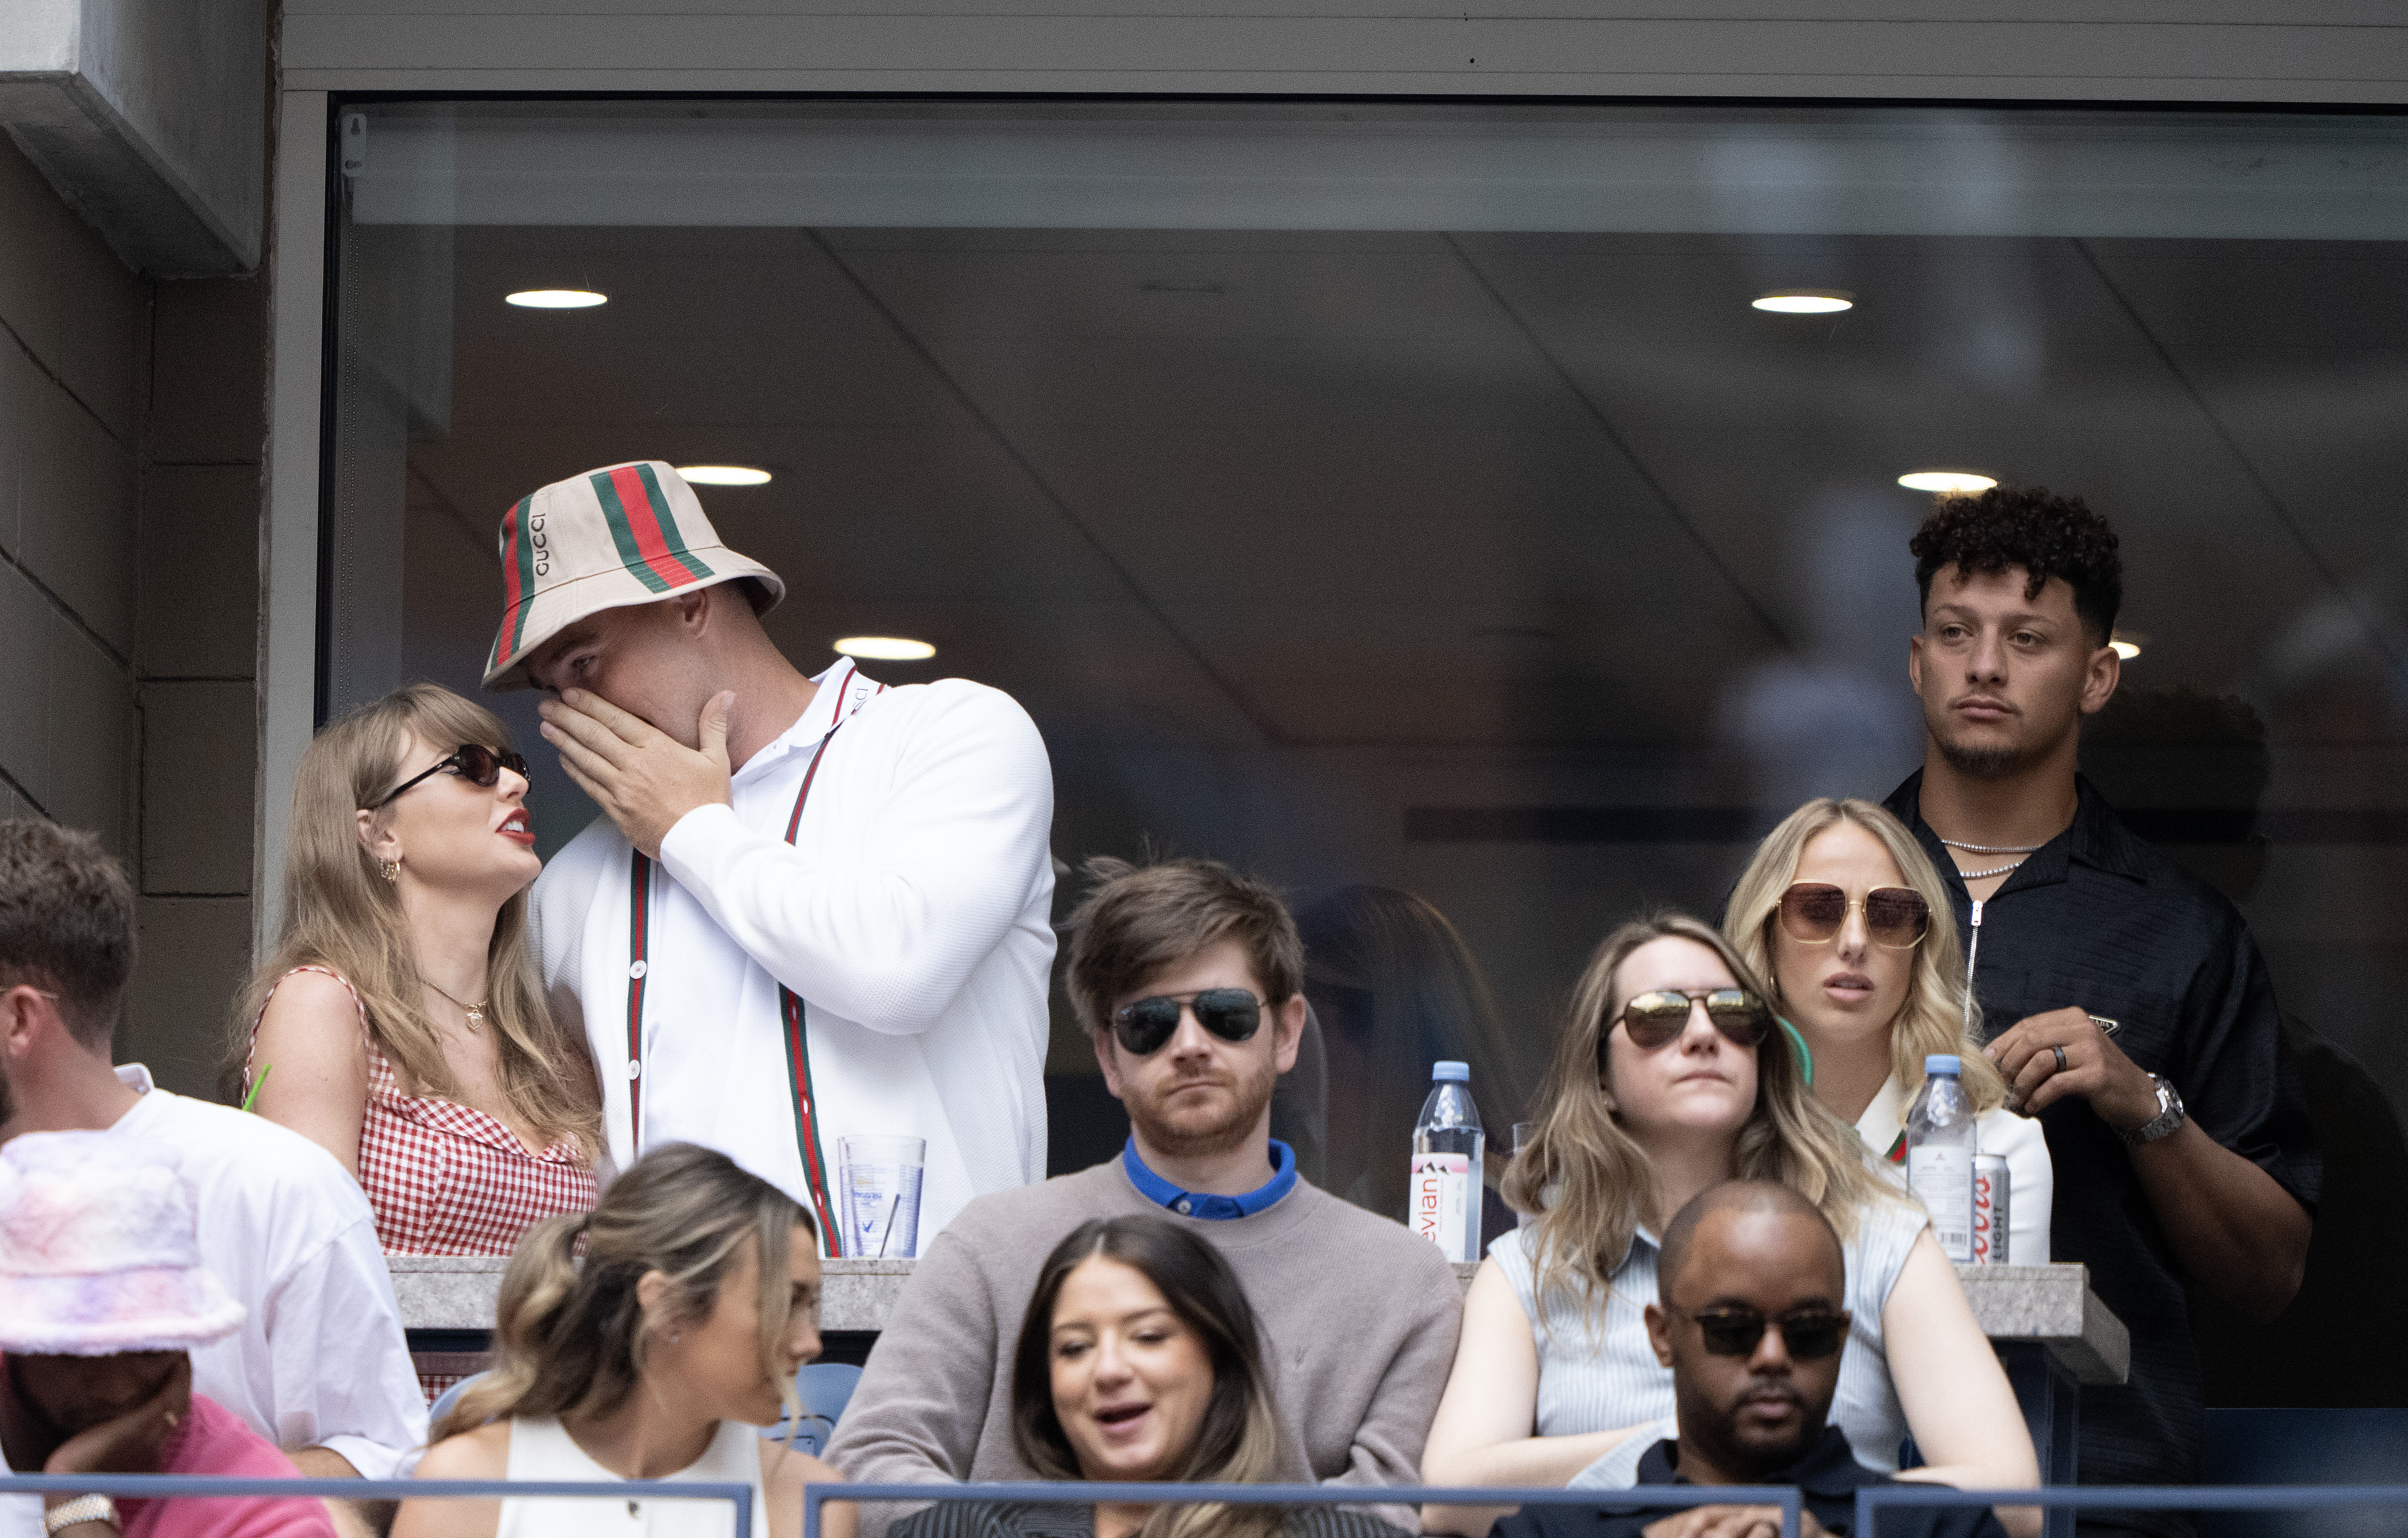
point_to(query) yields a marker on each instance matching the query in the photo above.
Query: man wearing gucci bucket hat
(102, 1298)
(815, 908)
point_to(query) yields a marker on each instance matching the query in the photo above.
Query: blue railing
(161, 1486)
(1870, 1501)
(1086, 1493)
(1872, 1498)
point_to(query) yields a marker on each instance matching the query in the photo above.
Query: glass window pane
(1410, 504)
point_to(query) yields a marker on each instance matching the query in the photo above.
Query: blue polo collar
(1163, 1193)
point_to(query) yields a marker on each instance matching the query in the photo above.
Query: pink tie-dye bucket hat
(100, 1250)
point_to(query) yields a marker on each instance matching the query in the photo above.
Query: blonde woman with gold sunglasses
(1848, 920)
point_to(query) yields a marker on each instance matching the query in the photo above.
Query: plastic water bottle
(1940, 1143)
(1447, 1141)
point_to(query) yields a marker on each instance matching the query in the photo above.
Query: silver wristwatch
(2169, 1115)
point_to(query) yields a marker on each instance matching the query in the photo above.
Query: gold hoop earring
(391, 869)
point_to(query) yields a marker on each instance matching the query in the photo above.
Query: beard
(1206, 1131)
(1981, 763)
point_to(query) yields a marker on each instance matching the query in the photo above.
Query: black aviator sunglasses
(1233, 1014)
(480, 765)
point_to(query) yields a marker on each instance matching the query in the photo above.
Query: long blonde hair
(1595, 1177)
(339, 913)
(569, 1336)
(1937, 1015)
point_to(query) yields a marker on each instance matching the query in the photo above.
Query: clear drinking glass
(879, 1181)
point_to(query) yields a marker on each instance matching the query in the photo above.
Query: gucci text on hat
(100, 1250)
(622, 535)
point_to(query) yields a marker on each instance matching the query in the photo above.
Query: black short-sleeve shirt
(2101, 920)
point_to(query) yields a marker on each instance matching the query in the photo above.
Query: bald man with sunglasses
(1749, 1320)
(1186, 975)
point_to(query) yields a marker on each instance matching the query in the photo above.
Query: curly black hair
(2048, 535)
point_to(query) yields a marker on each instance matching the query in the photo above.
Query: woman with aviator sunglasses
(1846, 917)
(1671, 1076)
(400, 1024)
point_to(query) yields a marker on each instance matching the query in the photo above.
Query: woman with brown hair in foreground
(656, 1356)
(1140, 1360)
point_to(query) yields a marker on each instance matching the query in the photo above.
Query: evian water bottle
(1445, 1192)
(1939, 1149)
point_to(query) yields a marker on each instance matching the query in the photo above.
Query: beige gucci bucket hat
(626, 534)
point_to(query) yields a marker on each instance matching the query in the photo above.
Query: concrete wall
(144, 115)
(131, 427)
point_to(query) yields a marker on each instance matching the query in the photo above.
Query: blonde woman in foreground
(1671, 1077)
(1845, 916)
(656, 1356)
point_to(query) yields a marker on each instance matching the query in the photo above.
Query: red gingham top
(446, 1178)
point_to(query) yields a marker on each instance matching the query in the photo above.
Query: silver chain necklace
(1984, 875)
(1992, 848)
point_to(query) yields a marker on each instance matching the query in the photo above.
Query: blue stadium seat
(825, 1388)
(443, 1402)
(2304, 1447)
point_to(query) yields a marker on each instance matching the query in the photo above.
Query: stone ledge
(457, 1292)
(2052, 1306)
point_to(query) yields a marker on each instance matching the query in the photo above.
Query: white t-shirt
(2019, 1140)
(912, 914)
(320, 1360)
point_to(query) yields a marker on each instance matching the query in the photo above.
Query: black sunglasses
(1233, 1014)
(1655, 1018)
(478, 764)
(1809, 1335)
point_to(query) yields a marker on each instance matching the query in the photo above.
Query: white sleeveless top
(540, 1449)
(1599, 1373)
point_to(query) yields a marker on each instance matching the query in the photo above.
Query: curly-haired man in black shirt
(2125, 1001)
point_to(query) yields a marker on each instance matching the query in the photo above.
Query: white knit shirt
(911, 915)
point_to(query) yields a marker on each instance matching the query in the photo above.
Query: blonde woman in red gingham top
(399, 1024)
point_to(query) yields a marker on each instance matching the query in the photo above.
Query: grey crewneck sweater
(1360, 1319)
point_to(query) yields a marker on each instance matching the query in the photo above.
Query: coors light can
(1990, 1215)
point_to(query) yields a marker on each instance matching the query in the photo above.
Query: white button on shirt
(911, 915)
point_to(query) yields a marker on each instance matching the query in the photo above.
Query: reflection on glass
(1396, 990)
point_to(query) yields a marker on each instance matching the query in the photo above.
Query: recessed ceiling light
(724, 475)
(557, 298)
(1953, 482)
(2128, 644)
(886, 648)
(1807, 301)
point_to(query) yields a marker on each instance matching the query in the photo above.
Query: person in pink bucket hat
(816, 910)
(102, 1298)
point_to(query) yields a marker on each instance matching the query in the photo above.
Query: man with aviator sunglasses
(1187, 976)
(1751, 1325)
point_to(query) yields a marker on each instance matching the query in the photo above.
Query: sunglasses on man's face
(474, 762)
(1808, 1334)
(1142, 1027)
(1814, 912)
(1654, 1018)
